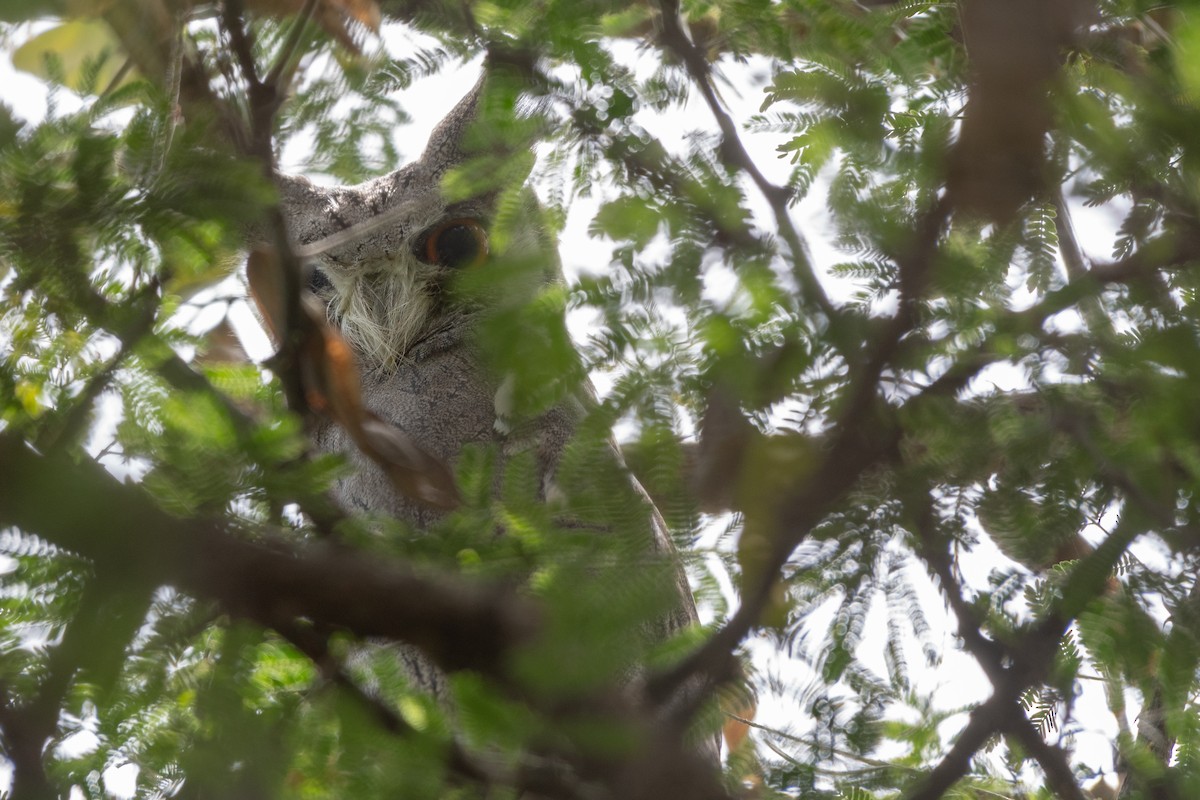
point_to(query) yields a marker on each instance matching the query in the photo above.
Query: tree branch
(1153, 733)
(316, 647)
(461, 625)
(81, 508)
(864, 434)
(676, 38)
(984, 721)
(279, 74)
(1050, 758)
(990, 654)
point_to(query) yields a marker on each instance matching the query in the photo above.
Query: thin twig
(316, 647)
(174, 79)
(258, 145)
(990, 654)
(88, 636)
(120, 75)
(865, 434)
(275, 77)
(1077, 267)
(1072, 423)
(870, 762)
(1008, 682)
(677, 39)
(322, 509)
(240, 40)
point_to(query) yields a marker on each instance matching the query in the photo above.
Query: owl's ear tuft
(490, 127)
(447, 143)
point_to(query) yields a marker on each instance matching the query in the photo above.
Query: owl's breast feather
(442, 401)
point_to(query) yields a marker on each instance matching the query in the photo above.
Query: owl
(385, 258)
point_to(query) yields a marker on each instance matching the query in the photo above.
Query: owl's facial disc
(385, 297)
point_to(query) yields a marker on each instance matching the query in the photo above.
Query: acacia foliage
(855, 449)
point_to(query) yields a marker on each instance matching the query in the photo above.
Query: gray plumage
(422, 371)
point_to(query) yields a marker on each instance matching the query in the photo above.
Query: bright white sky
(958, 680)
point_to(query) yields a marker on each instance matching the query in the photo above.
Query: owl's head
(385, 253)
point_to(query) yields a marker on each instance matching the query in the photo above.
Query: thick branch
(984, 721)
(1050, 758)
(81, 508)
(273, 582)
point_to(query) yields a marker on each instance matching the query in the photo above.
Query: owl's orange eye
(459, 243)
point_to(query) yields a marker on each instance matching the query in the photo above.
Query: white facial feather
(382, 313)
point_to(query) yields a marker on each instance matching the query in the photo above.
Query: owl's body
(423, 369)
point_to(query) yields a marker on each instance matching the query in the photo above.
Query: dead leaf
(222, 346)
(414, 472)
(265, 275)
(332, 386)
(740, 707)
(365, 12)
(328, 369)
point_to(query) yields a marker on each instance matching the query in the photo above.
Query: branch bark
(81, 508)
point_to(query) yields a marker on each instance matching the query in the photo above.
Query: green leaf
(628, 219)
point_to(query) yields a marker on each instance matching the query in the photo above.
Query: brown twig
(1000, 713)
(322, 509)
(932, 550)
(676, 38)
(276, 76)
(240, 39)
(983, 722)
(1052, 759)
(316, 646)
(459, 624)
(865, 433)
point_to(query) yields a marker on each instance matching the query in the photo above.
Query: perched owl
(386, 254)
